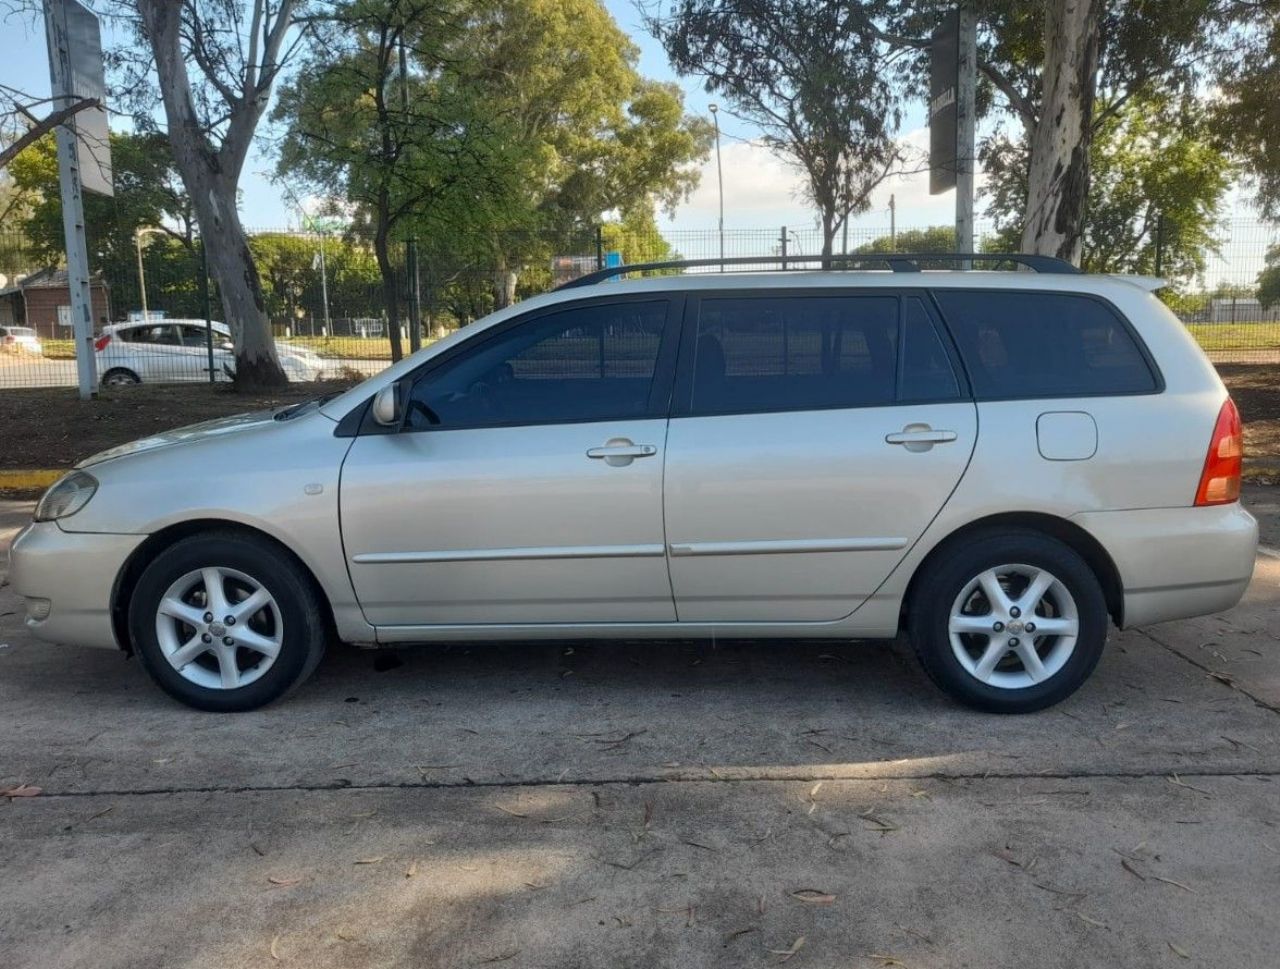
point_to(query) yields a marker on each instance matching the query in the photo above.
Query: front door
(813, 440)
(526, 483)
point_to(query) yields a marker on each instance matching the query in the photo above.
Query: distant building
(43, 300)
(1241, 309)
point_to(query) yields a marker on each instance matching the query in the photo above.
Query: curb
(29, 480)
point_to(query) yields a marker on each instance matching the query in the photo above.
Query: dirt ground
(52, 428)
(58, 429)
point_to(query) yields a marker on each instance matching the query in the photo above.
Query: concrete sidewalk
(642, 804)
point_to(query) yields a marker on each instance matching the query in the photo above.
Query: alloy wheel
(219, 628)
(1013, 626)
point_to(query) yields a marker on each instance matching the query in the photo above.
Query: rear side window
(1044, 345)
(762, 354)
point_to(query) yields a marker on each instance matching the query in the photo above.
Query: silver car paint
(287, 479)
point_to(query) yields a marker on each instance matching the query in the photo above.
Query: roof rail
(899, 262)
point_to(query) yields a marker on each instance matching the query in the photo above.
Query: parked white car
(168, 351)
(20, 339)
(1000, 464)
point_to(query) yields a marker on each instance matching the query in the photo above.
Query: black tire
(946, 577)
(302, 640)
(120, 377)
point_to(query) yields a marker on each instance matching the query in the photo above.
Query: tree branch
(43, 127)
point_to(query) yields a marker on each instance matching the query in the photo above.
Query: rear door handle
(620, 452)
(920, 437)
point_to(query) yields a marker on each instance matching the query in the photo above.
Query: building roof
(51, 277)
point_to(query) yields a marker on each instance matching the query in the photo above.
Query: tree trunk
(231, 264)
(1058, 176)
(390, 291)
(212, 189)
(504, 288)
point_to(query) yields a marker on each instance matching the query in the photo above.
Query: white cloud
(762, 192)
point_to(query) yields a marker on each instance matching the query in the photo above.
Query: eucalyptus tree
(812, 75)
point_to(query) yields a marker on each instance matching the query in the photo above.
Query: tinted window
(927, 373)
(583, 364)
(1043, 345)
(194, 336)
(775, 353)
(149, 334)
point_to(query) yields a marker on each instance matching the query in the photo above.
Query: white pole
(324, 286)
(142, 277)
(55, 28)
(966, 125)
(715, 119)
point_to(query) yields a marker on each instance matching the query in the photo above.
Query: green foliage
(936, 238)
(147, 193)
(1269, 280)
(1154, 157)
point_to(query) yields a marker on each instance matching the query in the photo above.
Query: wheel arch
(157, 542)
(1065, 531)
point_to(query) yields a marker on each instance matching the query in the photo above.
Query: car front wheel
(226, 622)
(1010, 621)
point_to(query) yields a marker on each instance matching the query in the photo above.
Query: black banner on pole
(944, 61)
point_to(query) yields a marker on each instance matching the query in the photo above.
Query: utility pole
(893, 224)
(415, 291)
(324, 290)
(61, 83)
(142, 276)
(715, 120)
(966, 124)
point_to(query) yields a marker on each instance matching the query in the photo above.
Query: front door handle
(618, 452)
(920, 437)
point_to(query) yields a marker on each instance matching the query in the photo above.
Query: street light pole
(142, 277)
(138, 234)
(715, 120)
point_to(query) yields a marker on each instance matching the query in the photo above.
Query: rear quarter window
(1022, 344)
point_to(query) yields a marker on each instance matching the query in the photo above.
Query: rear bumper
(76, 573)
(1177, 562)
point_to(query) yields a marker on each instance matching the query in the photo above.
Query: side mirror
(386, 406)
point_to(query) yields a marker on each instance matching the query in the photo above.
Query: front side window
(784, 353)
(1044, 344)
(587, 363)
(195, 336)
(150, 334)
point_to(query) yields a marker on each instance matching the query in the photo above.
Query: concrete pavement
(646, 804)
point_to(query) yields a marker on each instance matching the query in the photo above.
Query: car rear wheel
(1009, 621)
(120, 377)
(226, 622)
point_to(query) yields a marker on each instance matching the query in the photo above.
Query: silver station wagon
(999, 464)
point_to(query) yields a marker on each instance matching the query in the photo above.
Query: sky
(760, 191)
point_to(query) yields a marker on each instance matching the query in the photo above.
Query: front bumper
(1177, 562)
(76, 572)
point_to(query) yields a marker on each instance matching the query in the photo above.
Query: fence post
(1160, 244)
(783, 238)
(204, 300)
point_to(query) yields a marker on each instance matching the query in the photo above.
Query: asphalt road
(650, 805)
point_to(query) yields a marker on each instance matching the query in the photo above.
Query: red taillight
(1220, 482)
(100, 344)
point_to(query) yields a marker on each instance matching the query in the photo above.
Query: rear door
(814, 436)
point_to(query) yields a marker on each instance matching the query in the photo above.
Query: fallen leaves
(1179, 782)
(375, 860)
(283, 881)
(787, 954)
(1179, 951)
(813, 896)
(275, 950)
(21, 790)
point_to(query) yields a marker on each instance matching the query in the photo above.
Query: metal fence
(328, 310)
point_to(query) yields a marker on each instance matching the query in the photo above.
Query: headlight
(66, 496)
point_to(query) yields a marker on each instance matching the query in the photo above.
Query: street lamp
(715, 120)
(138, 233)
